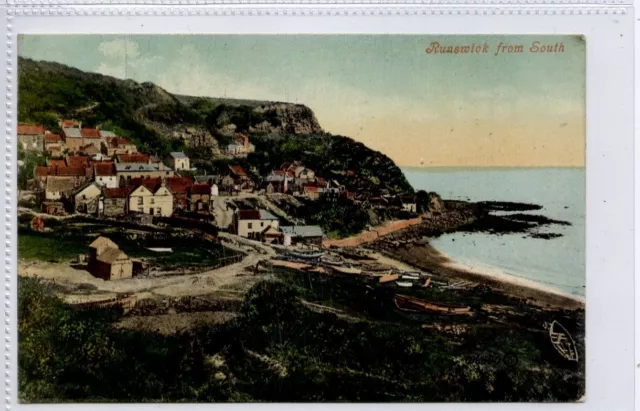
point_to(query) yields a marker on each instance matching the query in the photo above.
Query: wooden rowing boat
(408, 303)
(562, 341)
(388, 278)
(346, 270)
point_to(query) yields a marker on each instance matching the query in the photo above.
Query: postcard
(301, 218)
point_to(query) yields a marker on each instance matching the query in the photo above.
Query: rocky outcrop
(295, 119)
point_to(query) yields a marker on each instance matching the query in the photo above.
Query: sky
(457, 110)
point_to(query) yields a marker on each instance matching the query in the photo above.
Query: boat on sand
(562, 341)
(346, 270)
(412, 304)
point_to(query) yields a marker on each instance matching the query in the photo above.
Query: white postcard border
(610, 149)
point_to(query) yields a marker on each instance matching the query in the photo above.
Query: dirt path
(79, 285)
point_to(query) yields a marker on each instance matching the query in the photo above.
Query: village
(95, 173)
(118, 201)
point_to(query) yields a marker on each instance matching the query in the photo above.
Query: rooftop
(100, 241)
(60, 184)
(30, 129)
(237, 170)
(52, 138)
(133, 158)
(200, 189)
(111, 255)
(115, 192)
(178, 154)
(105, 134)
(303, 231)
(256, 215)
(78, 161)
(72, 132)
(90, 133)
(105, 169)
(133, 167)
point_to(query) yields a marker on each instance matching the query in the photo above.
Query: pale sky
(525, 109)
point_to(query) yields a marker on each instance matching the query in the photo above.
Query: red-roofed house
(105, 174)
(42, 172)
(31, 136)
(54, 144)
(179, 187)
(133, 158)
(199, 197)
(151, 199)
(56, 163)
(91, 136)
(88, 149)
(78, 161)
(119, 145)
(240, 177)
(311, 191)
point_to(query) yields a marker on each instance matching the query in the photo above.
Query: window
(84, 197)
(261, 223)
(153, 201)
(158, 211)
(250, 226)
(139, 200)
(151, 211)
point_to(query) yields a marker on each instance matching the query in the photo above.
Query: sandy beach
(426, 257)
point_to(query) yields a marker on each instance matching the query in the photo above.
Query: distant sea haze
(557, 263)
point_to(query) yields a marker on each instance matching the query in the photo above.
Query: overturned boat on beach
(562, 341)
(308, 255)
(412, 304)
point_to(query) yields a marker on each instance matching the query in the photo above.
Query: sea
(557, 263)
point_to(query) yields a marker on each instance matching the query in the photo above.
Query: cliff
(159, 122)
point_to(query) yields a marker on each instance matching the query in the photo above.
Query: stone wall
(114, 207)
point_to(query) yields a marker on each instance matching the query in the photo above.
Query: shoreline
(426, 257)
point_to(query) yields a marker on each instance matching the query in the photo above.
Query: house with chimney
(59, 188)
(240, 177)
(179, 187)
(54, 144)
(302, 234)
(240, 145)
(257, 224)
(200, 197)
(72, 134)
(127, 171)
(113, 202)
(178, 161)
(133, 158)
(91, 136)
(279, 181)
(151, 197)
(104, 174)
(119, 145)
(31, 137)
(86, 198)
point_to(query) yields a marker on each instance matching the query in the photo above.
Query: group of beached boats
(322, 261)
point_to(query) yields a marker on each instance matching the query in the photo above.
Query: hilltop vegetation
(159, 122)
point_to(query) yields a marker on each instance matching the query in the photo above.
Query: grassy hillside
(160, 122)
